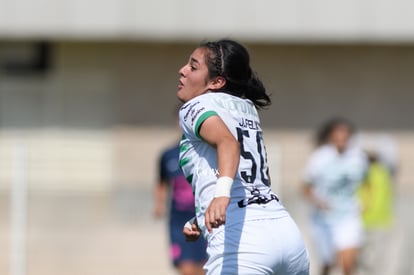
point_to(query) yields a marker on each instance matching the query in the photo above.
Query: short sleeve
(310, 171)
(361, 165)
(162, 168)
(194, 113)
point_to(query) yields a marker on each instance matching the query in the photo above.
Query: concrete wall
(104, 84)
(99, 116)
(265, 20)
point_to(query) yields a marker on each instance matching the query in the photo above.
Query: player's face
(340, 136)
(194, 76)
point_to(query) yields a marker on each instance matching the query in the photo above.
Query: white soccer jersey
(251, 196)
(335, 178)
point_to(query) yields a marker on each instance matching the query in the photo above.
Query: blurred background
(88, 92)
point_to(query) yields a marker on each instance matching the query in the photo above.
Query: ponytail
(231, 60)
(256, 92)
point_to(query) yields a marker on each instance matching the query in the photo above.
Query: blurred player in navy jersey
(187, 257)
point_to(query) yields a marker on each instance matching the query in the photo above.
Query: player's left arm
(215, 132)
(161, 188)
(191, 230)
(160, 197)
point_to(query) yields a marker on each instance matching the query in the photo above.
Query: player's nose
(182, 70)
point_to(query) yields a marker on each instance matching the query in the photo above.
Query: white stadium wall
(190, 20)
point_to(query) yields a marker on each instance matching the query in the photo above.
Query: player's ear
(217, 83)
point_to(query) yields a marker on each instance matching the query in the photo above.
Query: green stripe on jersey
(184, 147)
(190, 179)
(201, 119)
(184, 161)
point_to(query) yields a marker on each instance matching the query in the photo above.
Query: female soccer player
(223, 156)
(332, 176)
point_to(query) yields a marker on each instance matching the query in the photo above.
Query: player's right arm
(310, 179)
(215, 132)
(309, 194)
(200, 121)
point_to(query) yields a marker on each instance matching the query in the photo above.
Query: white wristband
(223, 187)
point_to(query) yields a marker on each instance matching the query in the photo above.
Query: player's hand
(322, 205)
(192, 235)
(158, 211)
(216, 213)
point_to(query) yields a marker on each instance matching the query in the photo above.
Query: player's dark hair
(325, 131)
(231, 60)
